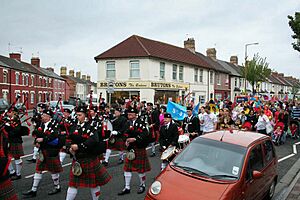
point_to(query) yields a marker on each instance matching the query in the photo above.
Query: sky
(72, 32)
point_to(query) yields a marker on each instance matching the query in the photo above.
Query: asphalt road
(110, 190)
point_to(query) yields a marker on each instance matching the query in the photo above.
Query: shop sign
(143, 85)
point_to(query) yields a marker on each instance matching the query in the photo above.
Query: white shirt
(200, 116)
(46, 125)
(209, 122)
(262, 122)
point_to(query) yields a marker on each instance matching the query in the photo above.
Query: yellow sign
(143, 85)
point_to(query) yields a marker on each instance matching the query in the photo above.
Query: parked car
(220, 165)
(3, 105)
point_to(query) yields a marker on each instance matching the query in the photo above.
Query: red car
(220, 165)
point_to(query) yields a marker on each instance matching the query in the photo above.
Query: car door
(254, 188)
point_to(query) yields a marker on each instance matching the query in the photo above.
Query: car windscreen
(211, 158)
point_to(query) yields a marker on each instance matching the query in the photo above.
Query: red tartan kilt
(7, 191)
(51, 164)
(140, 164)
(93, 174)
(119, 145)
(16, 150)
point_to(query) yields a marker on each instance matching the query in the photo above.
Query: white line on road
(68, 164)
(294, 149)
(286, 157)
(25, 156)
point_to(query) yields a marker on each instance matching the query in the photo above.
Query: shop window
(134, 69)
(196, 74)
(162, 70)
(181, 73)
(174, 74)
(110, 70)
(201, 76)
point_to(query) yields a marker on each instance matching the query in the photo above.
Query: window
(211, 77)
(32, 80)
(240, 82)
(196, 74)
(268, 151)
(255, 161)
(162, 71)
(23, 79)
(218, 79)
(110, 70)
(17, 78)
(174, 74)
(235, 82)
(32, 98)
(4, 76)
(181, 73)
(41, 81)
(134, 69)
(201, 76)
(26, 80)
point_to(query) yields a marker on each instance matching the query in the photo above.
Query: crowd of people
(89, 133)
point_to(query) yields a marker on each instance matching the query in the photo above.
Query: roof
(233, 71)
(242, 138)
(274, 79)
(282, 79)
(213, 64)
(137, 46)
(50, 73)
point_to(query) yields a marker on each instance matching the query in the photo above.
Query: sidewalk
(295, 192)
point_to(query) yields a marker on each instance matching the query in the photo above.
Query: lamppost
(246, 45)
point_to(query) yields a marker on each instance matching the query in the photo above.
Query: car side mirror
(256, 174)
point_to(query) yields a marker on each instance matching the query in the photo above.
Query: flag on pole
(196, 109)
(178, 112)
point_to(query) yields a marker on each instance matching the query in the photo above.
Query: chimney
(63, 71)
(71, 72)
(16, 56)
(190, 44)
(212, 53)
(78, 74)
(281, 74)
(35, 61)
(234, 60)
(50, 69)
(84, 77)
(88, 77)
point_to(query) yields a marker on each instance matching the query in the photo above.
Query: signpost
(110, 90)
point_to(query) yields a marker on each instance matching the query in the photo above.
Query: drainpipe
(208, 82)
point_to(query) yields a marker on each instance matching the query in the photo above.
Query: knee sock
(55, 178)
(127, 176)
(95, 192)
(11, 168)
(71, 193)
(121, 154)
(35, 152)
(62, 156)
(153, 147)
(142, 179)
(36, 180)
(107, 154)
(18, 166)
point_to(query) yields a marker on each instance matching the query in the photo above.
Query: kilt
(119, 145)
(51, 164)
(140, 164)
(7, 191)
(16, 150)
(93, 174)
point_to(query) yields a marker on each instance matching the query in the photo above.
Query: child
(277, 133)
(294, 129)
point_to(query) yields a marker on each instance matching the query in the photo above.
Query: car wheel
(271, 191)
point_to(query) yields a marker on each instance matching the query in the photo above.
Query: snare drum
(183, 141)
(168, 153)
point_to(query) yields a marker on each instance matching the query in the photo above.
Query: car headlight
(155, 187)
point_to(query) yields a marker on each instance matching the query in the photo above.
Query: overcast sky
(71, 32)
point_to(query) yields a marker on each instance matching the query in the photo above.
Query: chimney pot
(78, 74)
(35, 61)
(88, 77)
(212, 53)
(234, 60)
(84, 77)
(50, 69)
(190, 44)
(16, 56)
(63, 71)
(71, 72)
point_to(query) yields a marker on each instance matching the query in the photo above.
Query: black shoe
(54, 191)
(31, 160)
(152, 155)
(12, 175)
(120, 161)
(15, 178)
(105, 163)
(29, 193)
(141, 189)
(124, 191)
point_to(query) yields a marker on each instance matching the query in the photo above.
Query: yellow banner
(143, 85)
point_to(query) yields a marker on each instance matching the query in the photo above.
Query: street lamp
(246, 45)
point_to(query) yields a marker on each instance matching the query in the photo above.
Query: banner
(178, 112)
(196, 109)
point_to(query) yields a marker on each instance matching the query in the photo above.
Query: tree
(256, 70)
(294, 23)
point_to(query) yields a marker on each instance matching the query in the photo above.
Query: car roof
(237, 137)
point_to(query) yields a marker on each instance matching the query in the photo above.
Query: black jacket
(190, 126)
(14, 132)
(169, 135)
(139, 132)
(120, 124)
